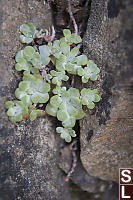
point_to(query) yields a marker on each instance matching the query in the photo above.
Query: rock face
(107, 132)
(28, 151)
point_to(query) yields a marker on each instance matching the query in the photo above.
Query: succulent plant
(88, 97)
(32, 89)
(28, 33)
(52, 64)
(90, 72)
(16, 110)
(66, 133)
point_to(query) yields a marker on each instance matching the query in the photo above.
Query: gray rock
(80, 177)
(28, 150)
(107, 131)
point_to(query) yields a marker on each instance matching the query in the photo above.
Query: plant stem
(72, 17)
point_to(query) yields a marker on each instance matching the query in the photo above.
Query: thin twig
(46, 36)
(72, 17)
(73, 148)
(86, 4)
(53, 33)
(49, 38)
(72, 81)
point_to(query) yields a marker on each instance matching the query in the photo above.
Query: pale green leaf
(45, 52)
(16, 109)
(33, 115)
(29, 53)
(24, 39)
(66, 133)
(67, 33)
(28, 29)
(88, 97)
(23, 65)
(51, 110)
(82, 60)
(19, 55)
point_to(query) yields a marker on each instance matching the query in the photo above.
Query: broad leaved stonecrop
(49, 70)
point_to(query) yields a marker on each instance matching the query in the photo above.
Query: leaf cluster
(28, 33)
(18, 110)
(67, 102)
(66, 105)
(32, 89)
(28, 60)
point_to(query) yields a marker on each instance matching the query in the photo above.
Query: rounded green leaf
(55, 101)
(75, 51)
(74, 92)
(62, 58)
(66, 133)
(58, 90)
(82, 60)
(69, 122)
(84, 80)
(9, 104)
(57, 81)
(17, 118)
(60, 66)
(59, 129)
(51, 110)
(67, 138)
(24, 39)
(33, 115)
(62, 115)
(97, 98)
(45, 52)
(28, 29)
(64, 47)
(23, 85)
(75, 38)
(80, 71)
(53, 72)
(40, 97)
(83, 91)
(16, 110)
(88, 97)
(56, 44)
(44, 87)
(80, 114)
(65, 78)
(26, 99)
(90, 105)
(23, 96)
(23, 65)
(36, 60)
(29, 53)
(69, 67)
(34, 70)
(19, 55)
(67, 33)
(72, 132)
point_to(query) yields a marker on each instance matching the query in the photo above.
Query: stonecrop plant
(48, 72)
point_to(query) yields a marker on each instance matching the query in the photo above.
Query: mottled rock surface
(79, 176)
(28, 150)
(107, 132)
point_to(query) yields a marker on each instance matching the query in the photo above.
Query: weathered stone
(79, 176)
(108, 41)
(28, 150)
